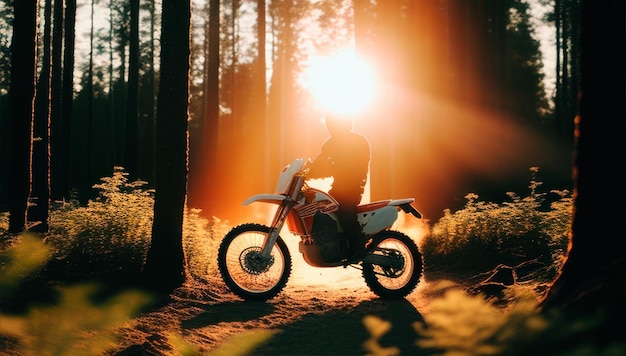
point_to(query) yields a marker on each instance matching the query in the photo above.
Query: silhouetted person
(345, 156)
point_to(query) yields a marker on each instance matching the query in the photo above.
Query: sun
(342, 83)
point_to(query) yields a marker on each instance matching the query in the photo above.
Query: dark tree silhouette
(60, 162)
(165, 263)
(206, 156)
(40, 194)
(21, 101)
(56, 85)
(84, 181)
(566, 22)
(147, 99)
(131, 148)
(593, 280)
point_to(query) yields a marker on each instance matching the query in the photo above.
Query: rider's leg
(347, 215)
(348, 200)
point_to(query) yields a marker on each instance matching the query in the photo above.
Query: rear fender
(406, 206)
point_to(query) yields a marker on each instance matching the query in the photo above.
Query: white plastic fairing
(377, 220)
(284, 180)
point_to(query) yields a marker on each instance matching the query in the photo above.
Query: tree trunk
(56, 84)
(40, 195)
(150, 99)
(592, 281)
(86, 167)
(21, 95)
(131, 150)
(60, 161)
(204, 188)
(165, 265)
(260, 90)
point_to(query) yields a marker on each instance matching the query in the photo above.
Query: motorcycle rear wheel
(244, 271)
(398, 281)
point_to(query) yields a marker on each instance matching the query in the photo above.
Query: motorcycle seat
(363, 208)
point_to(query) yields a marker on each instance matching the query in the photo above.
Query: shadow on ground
(342, 332)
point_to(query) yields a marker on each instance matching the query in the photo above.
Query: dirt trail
(320, 312)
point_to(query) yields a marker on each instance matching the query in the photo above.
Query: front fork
(281, 215)
(277, 224)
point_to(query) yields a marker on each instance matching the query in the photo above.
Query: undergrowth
(484, 235)
(110, 233)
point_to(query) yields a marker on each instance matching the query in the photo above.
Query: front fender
(265, 198)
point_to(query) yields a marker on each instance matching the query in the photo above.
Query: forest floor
(320, 312)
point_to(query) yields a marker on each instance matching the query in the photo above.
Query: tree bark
(131, 150)
(40, 195)
(165, 264)
(592, 280)
(56, 79)
(21, 101)
(203, 186)
(60, 161)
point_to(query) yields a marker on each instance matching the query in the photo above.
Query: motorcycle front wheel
(400, 279)
(245, 271)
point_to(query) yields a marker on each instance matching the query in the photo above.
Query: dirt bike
(255, 263)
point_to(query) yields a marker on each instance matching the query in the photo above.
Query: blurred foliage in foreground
(75, 322)
(461, 324)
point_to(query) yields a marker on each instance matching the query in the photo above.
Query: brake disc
(252, 261)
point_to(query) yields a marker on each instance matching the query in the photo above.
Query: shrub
(483, 235)
(110, 233)
(201, 238)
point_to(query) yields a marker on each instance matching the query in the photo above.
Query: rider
(345, 156)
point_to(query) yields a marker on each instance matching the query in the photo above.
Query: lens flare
(342, 83)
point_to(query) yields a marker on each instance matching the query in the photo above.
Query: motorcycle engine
(325, 235)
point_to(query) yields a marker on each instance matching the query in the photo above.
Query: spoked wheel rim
(402, 269)
(400, 274)
(248, 269)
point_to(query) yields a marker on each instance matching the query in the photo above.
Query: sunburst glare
(342, 83)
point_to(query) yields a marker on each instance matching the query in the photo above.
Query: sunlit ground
(305, 275)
